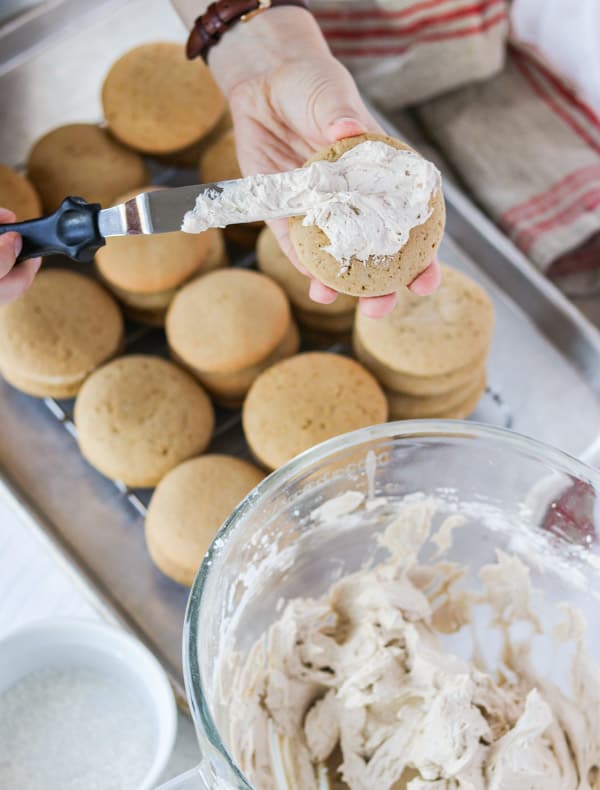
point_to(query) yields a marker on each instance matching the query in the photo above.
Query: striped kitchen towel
(402, 52)
(517, 134)
(529, 150)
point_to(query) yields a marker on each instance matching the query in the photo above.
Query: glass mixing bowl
(515, 494)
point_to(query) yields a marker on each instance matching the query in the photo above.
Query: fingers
(317, 291)
(10, 243)
(336, 106)
(282, 234)
(428, 281)
(18, 280)
(377, 306)
(6, 215)
(344, 127)
(321, 293)
(10, 247)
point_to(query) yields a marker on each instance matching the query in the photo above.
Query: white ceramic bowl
(61, 642)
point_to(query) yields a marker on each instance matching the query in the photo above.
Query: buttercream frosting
(357, 689)
(366, 202)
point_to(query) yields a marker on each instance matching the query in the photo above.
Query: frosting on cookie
(366, 202)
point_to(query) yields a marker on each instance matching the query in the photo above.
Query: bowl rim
(557, 461)
(119, 648)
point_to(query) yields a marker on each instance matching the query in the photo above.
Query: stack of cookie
(430, 353)
(188, 507)
(57, 333)
(84, 160)
(145, 272)
(337, 317)
(227, 327)
(140, 416)
(304, 400)
(158, 102)
(18, 194)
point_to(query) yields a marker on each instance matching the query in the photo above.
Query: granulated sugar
(73, 729)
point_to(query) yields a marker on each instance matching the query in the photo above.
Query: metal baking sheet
(544, 372)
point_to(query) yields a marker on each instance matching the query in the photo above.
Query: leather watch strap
(220, 16)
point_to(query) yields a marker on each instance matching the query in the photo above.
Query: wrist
(251, 49)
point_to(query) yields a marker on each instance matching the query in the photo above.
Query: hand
(290, 97)
(13, 280)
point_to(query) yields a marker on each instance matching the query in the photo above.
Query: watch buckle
(263, 5)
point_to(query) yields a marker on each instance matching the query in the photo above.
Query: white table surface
(34, 586)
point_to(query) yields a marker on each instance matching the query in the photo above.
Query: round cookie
(432, 335)
(188, 507)
(415, 386)
(373, 277)
(150, 309)
(83, 160)
(226, 322)
(229, 389)
(157, 101)
(411, 407)
(463, 409)
(219, 162)
(141, 301)
(305, 400)
(18, 194)
(272, 261)
(57, 333)
(216, 257)
(152, 265)
(140, 416)
(190, 157)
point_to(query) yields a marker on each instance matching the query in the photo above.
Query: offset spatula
(78, 228)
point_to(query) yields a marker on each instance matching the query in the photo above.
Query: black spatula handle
(72, 230)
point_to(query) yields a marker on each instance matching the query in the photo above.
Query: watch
(222, 15)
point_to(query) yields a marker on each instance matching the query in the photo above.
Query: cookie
(189, 506)
(189, 157)
(18, 194)
(417, 386)
(157, 101)
(227, 323)
(429, 336)
(145, 271)
(140, 301)
(374, 277)
(83, 160)
(219, 162)
(216, 257)
(465, 408)
(139, 417)
(57, 333)
(229, 389)
(331, 325)
(272, 261)
(413, 407)
(150, 309)
(305, 400)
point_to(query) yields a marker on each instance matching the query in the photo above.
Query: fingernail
(17, 245)
(321, 293)
(346, 127)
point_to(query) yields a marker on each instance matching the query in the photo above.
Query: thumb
(338, 108)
